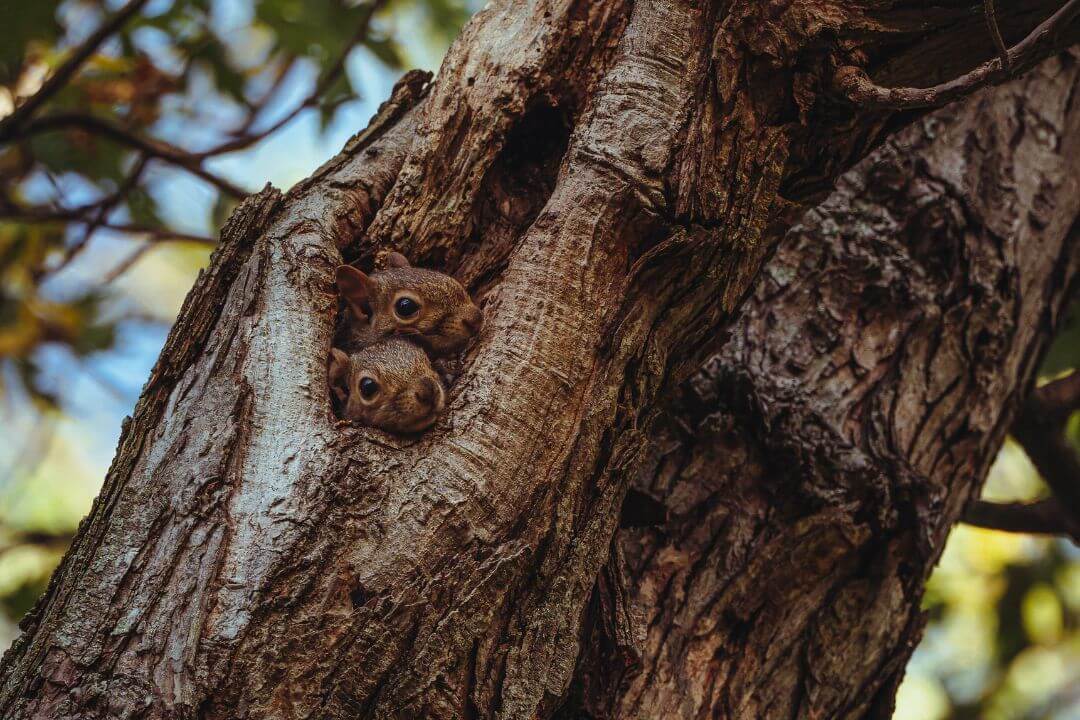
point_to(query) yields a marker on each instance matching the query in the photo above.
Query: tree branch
(857, 86)
(15, 213)
(1044, 517)
(256, 107)
(1039, 429)
(192, 162)
(1060, 398)
(10, 125)
(126, 264)
(158, 234)
(102, 210)
(38, 538)
(152, 236)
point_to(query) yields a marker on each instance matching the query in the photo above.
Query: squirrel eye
(406, 307)
(368, 388)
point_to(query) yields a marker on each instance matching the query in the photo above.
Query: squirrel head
(430, 307)
(390, 385)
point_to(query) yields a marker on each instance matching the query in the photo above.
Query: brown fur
(447, 319)
(410, 395)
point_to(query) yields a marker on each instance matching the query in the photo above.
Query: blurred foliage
(178, 86)
(1003, 641)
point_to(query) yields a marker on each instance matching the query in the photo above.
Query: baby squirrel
(384, 380)
(427, 306)
(389, 385)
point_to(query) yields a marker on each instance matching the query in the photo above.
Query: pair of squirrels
(397, 321)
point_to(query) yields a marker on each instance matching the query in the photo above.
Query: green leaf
(13, 245)
(29, 373)
(1064, 353)
(19, 602)
(94, 338)
(72, 151)
(223, 208)
(386, 50)
(9, 311)
(447, 16)
(25, 21)
(214, 56)
(338, 92)
(319, 30)
(144, 208)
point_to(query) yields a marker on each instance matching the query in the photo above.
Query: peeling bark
(608, 177)
(803, 483)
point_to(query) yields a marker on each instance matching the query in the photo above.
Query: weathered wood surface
(801, 486)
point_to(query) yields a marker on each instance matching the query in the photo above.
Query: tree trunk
(607, 176)
(801, 486)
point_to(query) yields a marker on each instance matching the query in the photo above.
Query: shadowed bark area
(801, 487)
(607, 176)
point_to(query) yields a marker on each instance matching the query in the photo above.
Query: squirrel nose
(473, 319)
(427, 393)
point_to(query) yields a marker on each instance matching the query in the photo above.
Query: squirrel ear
(355, 286)
(397, 260)
(338, 366)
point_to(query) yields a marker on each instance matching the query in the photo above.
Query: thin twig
(15, 213)
(1043, 517)
(158, 235)
(192, 161)
(10, 210)
(321, 86)
(250, 139)
(335, 70)
(152, 233)
(11, 124)
(101, 212)
(126, 264)
(995, 34)
(283, 69)
(153, 147)
(854, 83)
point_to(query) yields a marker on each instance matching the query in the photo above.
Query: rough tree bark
(609, 177)
(801, 486)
